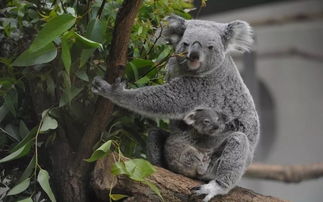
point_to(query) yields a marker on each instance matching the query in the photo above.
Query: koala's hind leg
(155, 146)
(227, 167)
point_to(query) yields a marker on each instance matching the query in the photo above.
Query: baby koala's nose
(194, 55)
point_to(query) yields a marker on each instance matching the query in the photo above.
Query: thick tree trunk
(70, 171)
(173, 187)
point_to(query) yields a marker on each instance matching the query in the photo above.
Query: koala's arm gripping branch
(169, 100)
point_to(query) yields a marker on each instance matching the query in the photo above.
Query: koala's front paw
(118, 84)
(210, 190)
(100, 86)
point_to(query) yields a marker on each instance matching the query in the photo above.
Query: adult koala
(202, 75)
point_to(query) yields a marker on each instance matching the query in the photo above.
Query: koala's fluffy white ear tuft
(174, 29)
(237, 36)
(189, 118)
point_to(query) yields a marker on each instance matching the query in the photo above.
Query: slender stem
(101, 9)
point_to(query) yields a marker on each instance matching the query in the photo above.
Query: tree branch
(173, 187)
(288, 174)
(117, 58)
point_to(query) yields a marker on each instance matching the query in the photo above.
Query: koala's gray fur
(190, 152)
(205, 76)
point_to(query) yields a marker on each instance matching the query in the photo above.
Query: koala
(190, 152)
(201, 74)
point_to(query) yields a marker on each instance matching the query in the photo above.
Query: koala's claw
(210, 190)
(99, 85)
(119, 83)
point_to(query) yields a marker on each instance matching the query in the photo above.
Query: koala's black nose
(216, 127)
(194, 56)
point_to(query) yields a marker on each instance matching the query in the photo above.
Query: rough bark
(173, 187)
(288, 174)
(70, 171)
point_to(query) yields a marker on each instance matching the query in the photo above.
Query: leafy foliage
(49, 52)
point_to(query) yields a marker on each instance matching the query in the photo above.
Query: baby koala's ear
(237, 36)
(174, 29)
(190, 118)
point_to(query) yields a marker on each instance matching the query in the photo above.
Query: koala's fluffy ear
(237, 36)
(174, 29)
(189, 118)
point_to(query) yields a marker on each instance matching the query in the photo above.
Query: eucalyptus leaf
(29, 199)
(22, 186)
(154, 188)
(3, 112)
(142, 81)
(22, 151)
(48, 123)
(12, 131)
(95, 31)
(43, 55)
(117, 197)
(52, 29)
(29, 170)
(164, 54)
(87, 43)
(66, 55)
(135, 169)
(24, 141)
(139, 169)
(23, 130)
(102, 151)
(43, 180)
(119, 168)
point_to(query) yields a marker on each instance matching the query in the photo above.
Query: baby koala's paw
(210, 189)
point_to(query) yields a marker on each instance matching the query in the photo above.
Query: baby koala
(190, 152)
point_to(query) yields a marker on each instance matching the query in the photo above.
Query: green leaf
(82, 75)
(119, 168)
(22, 151)
(137, 67)
(43, 55)
(154, 188)
(22, 186)
(23, 130)
(26, 139)
(164, 54)
(102, 151)
(87, 43)
(117, 197)
(139, 169)
(52, 29)
(28, 171)
(68, 95)
(142, 81)
(66, 55)
(48, 122)
(3, 112)
(43, 180)
(12, 131)
(26, 200)
(11, 100)
(95, 31)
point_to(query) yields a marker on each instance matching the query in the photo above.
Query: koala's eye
(210, 47)
(206, 121)
(185, 44)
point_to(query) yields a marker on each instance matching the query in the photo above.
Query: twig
(158, 37)
(288, 174)
(101, 9)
